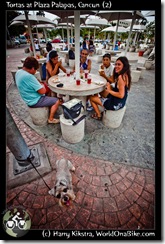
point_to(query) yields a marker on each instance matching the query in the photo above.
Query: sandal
(94, 116)
(54, 121)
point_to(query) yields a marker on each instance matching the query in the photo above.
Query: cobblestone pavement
(109, 194)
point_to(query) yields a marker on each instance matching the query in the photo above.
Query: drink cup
(68, 72)
(86, 73)
(81, 76)
(78, 82)
(89, 79)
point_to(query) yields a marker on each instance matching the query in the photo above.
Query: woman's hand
(59, 63)
(108, 87)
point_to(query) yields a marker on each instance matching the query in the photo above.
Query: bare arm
(62, 68)
(121, 87)
(52, 71)
(89, 65)
(42, 90)
(109, 79)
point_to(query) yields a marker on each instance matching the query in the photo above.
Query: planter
(141, 52)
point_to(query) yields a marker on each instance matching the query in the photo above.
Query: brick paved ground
(108, 195)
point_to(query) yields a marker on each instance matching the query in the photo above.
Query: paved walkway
(109, 194)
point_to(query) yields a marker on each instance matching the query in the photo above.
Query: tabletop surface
(70, 88)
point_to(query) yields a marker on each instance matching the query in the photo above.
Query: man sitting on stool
(31, 90)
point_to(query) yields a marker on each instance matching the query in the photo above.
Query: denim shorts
(45, 101)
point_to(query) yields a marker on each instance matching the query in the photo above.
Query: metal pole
(16, 142)
(77, 43)
(114, 42)
(132, 23)
(30, 32)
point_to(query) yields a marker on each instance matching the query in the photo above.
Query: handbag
(72, 110)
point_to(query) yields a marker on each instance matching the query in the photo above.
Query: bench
(39, 116)
(113, 118)
(112, 52)
(142, 71)
(72, 133)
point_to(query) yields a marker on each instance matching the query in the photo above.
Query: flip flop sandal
(94, 116)
(54, 121)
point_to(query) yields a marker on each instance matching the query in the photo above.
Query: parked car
(48, 40)
(16, 42)
(42, 40)
(22, 39)
(56, 40)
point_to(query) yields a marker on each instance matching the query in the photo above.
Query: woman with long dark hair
(117, 94)
(53, 66)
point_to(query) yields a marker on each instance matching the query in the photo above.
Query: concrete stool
(148, 64)
(72, 133)
(112, 118)
(39, 116)
(20, 66)
(99, 58)
(71, 63)
(13, 72)
(135, 75)
(142, 70)
(98, 51)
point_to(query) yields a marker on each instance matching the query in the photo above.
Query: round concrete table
(77, 91)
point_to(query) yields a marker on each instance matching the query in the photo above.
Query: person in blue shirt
(85, 62)
(31, 90)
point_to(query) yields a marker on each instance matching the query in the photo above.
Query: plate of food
(98, 82)
(55, 79)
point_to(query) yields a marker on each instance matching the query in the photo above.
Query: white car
(48, 40)
(42, 40)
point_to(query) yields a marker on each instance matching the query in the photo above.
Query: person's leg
(104, 93)
(51, 102)
(53, 110)
(95, 101)
(89, 106)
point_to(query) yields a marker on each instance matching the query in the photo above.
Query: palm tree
(149, 32)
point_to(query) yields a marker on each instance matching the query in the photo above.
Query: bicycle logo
(16, 222)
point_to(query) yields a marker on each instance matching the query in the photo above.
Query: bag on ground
(72, 108)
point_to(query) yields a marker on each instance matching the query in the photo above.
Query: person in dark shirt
(117, 95)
